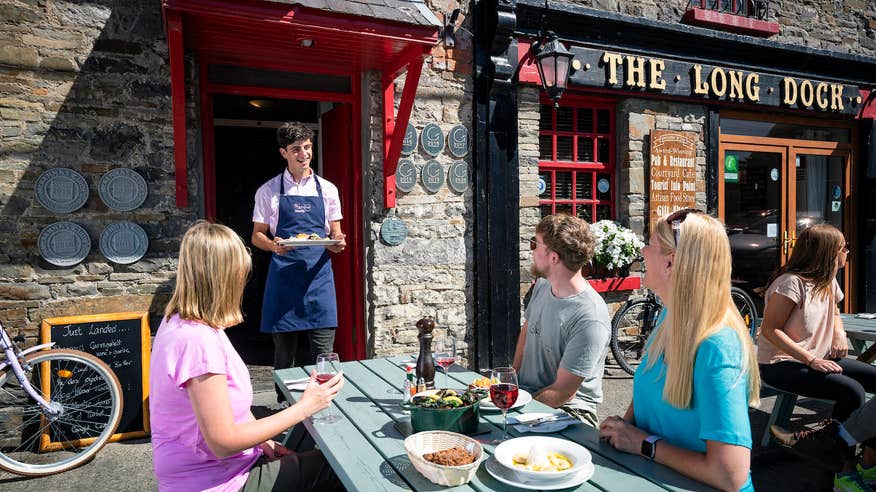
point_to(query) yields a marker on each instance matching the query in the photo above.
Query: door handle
(786, 241)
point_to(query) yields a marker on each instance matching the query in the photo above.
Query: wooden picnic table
(366, 449)
(861, 331)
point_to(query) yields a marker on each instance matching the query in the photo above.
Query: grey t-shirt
(572, 333)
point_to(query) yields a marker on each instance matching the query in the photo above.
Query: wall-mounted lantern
(553, 61)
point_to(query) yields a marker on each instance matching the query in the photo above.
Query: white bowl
(577, 454)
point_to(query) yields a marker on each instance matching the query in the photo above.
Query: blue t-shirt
(719, 403)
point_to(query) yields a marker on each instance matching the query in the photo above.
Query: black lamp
(553, 61)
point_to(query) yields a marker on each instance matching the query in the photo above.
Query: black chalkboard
(122, 341)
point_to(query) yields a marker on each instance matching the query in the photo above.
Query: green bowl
(463, 420)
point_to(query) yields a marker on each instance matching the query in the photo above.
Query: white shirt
(267, 199)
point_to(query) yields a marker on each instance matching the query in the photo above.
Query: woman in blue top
(699, 375)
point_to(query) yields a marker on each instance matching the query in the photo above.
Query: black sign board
(122, 341)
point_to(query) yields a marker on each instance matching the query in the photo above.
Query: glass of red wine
(446, 354)
(327, 366)
(503, 393)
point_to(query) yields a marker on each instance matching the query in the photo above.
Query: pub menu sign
(673, 172)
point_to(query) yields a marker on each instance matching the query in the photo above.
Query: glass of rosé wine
(446, 354)
(503, 393)
(327, 366)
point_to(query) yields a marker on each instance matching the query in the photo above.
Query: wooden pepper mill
(425, 362)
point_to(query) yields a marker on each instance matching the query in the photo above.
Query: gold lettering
(807, 93)
(790, 91)
(836, 97)
(752, 90)
(699, 87)
(612, 60)
(716, 78)
(821, 95)
(735, 85)
(635, 68)
(657, 67)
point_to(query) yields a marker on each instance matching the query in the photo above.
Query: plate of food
(482, 386)
(314, 239)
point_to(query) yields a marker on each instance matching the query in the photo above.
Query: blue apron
(300, 290)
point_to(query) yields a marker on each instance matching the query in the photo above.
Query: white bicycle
(58, 407)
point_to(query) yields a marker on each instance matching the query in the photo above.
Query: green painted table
(861, 331)
(367, 451)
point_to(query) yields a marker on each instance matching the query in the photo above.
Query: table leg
(868, 355)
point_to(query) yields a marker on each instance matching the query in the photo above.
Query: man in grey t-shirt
(561, 349)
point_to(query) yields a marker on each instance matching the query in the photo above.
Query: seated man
(561, 349)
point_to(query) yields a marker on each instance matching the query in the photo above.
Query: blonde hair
(701, 305)
(212, 271)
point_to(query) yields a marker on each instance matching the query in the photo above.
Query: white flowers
(616, 246)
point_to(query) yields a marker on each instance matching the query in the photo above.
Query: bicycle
(634, 321)
(58, 407)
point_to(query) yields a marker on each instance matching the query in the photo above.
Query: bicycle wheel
(630, 328)
(89, 399)
(747, 309)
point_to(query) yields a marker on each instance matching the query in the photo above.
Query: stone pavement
(127, 466)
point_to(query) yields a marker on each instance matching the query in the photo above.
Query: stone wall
(431, 272)
(847, 26)
(86, 86)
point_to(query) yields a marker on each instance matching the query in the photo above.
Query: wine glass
(327, 366)
(446, 355)
(503, 393)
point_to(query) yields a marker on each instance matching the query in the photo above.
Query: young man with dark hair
(300, 291)
(561, 349)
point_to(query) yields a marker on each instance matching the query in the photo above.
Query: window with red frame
(576, 158)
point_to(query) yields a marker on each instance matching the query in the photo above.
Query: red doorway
(340, 163)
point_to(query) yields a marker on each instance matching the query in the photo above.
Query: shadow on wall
(86, 86)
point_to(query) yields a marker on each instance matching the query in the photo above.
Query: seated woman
(802, 343)
(692, 390)
(204, 436)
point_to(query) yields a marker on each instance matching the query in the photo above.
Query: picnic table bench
(366, 448)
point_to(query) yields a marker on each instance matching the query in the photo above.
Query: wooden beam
(394, 127)
(178, 103)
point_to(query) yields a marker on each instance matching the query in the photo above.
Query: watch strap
(649, 446)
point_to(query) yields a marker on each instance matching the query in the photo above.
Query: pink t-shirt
(810, 324)
(267, 201)
(181, 459)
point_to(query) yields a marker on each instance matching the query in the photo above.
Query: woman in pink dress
(204, 436)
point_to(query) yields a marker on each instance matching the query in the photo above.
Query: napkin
(562, 421)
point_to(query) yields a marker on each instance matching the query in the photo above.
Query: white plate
(308, 242)
(543, 428)
(523, 397)
(506, 476)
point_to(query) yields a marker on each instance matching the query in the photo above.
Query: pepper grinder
(425, 363)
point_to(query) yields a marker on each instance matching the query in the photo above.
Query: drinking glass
(503, 393)
(327, 366)
(446, 354)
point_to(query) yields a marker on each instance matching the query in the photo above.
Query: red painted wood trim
(730, 22)
(394, 128)
(178, 102)
(868, 104)
(255, 91)
(355, 225)
(208, 146)
(615, 283)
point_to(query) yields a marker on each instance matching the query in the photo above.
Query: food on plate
(310, 237)
(446, 398)
(481, 385)
(539, 459)
(455, 456)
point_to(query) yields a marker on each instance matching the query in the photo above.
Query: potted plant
(616, 249)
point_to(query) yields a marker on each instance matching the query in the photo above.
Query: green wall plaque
(458, 141)
(457, 176)
(432, 175)
(405, 176)
(393, 231)
(409, 143)
(432, 139)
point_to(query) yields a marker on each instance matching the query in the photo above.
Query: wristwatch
(649, 446)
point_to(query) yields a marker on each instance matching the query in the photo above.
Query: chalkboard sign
(122, 341)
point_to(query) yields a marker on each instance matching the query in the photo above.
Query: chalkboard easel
(122, 341)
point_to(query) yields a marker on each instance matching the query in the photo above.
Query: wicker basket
(416, 445)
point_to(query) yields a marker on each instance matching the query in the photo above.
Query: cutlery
(547, 418)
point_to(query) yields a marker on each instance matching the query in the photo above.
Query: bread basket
(416, 445)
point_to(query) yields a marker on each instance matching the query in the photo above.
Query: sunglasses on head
(676, 218)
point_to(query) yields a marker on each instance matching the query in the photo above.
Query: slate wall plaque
(61, 190)
(409, 143)
(405, 175)
(458, 141)
(393, 231)
(122, 189)
(123, 242)
(457, 176)
(64, 244)
(432, 139)
(432, 175)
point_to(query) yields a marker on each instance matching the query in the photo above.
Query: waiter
(300, 290)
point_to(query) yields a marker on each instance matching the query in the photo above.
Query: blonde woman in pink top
(802, 345)
(204, 436)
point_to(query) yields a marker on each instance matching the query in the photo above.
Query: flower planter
(611, 284)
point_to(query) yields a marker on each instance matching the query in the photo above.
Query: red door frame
(353, 311)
